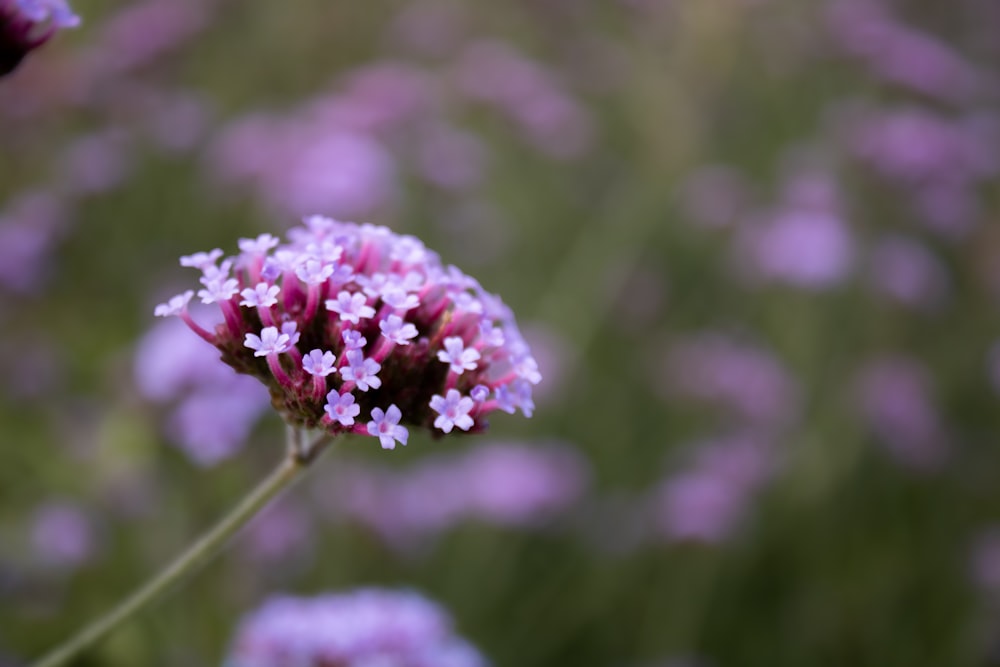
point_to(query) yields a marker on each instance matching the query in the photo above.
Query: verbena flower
(355, 329)
(27, 24)
(363, 627)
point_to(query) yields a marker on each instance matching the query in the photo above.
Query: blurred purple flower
(451, 158)
(896, 398)
(523, 90)
(506, 484)
(899, 54)
(176, 122)
(29, 228)
(215, 409)
(280, 534)
(707, 501)
(912, 145)
(62, 536)
(745, 380)
(362, 627)
(143, 31)
(906, 271)
(95, 163)
(938, 161)
(299, 168)
(807, 248)
(429, 29)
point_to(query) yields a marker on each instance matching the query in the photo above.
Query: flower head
(27, 24)
(404, 331)
(362, 627)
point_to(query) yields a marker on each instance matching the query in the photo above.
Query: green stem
(290, 469)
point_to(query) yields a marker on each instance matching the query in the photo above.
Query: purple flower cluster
(348, 320)
(363, 627)
(27, 24)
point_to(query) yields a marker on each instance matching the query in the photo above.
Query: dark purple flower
(27, 24)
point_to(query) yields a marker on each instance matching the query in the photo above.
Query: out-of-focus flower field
(754, 246)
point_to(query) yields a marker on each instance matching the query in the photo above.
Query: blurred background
(753, 243)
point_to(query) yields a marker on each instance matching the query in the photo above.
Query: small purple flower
(269, 342)
(262, 296)
(291, 329)
(397, 331)
(319, 363)
(457, 355)
(361, 371)
(259, 246)
(385, 425)
(453, 410)
(314, 272)
(218, 290)
(342, 408)
(399, 299)
(353, 340)
(351, 307)
(491, 336)
(200, 260)
(175, 306)
(326, 251)
(527, 368)
(515, 395)
(480, 393)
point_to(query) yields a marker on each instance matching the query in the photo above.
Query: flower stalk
(300, 453)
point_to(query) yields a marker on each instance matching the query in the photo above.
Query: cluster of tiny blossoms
(27, 24)
(369, 626)
(347, 320)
